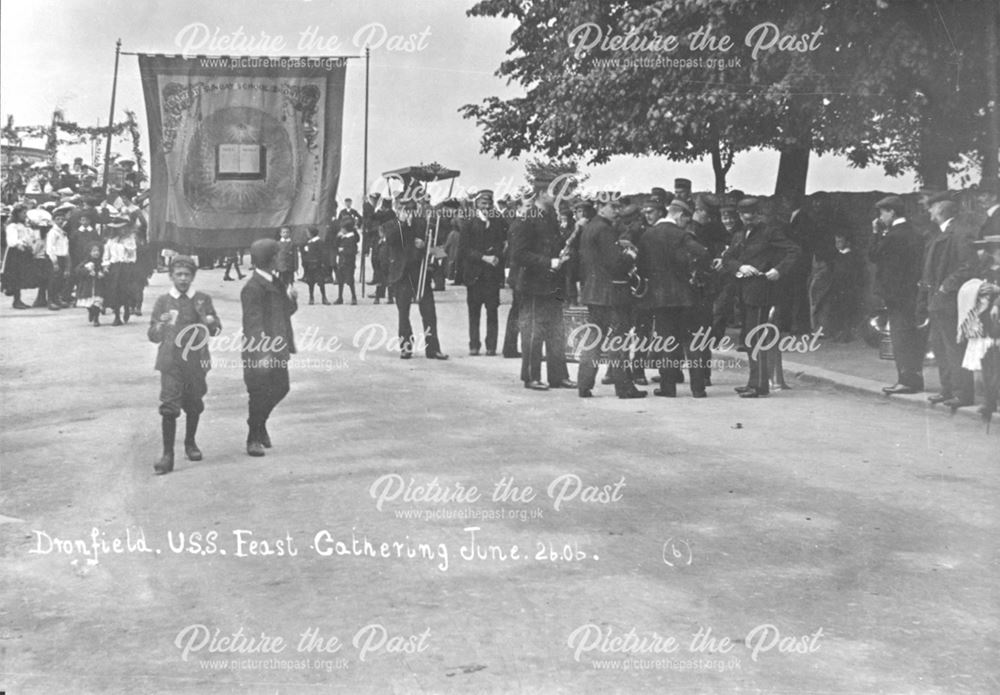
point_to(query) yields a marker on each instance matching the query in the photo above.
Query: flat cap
(748, 205)
(891, 202)
(678, 204)
(180, 261)
(653, 202)
(707, 201)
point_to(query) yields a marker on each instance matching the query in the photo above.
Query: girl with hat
(90, 284)
(120, 255)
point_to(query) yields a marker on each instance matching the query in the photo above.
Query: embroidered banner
(241, 146)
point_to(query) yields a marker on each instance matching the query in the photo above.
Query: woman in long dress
(21, 271)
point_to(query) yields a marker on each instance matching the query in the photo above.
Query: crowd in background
(84, 248)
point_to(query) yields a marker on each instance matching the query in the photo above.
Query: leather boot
(166, 462)
(254, 447)
(191, 449)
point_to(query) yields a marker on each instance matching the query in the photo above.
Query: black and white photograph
(500, 346)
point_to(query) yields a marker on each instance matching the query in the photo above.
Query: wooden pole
(111, 117)
(364, 181)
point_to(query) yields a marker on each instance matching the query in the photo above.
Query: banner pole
(111, 117)
(364, 181)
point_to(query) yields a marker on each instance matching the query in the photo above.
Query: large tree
(863, 86)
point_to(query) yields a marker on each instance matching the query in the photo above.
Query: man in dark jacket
(668, 254)
(269, 343)
(722, 307)
(483, 238)
(536, 261)
(897, 252)
(758, 258)
(988, 197)
(406, 238)
(604, 264)
(949, 261)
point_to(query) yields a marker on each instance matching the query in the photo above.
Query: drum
(574, 317)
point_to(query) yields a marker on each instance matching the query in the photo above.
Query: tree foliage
(890, 82)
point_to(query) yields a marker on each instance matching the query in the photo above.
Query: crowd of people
(78, 251)
(648, 281)
(661, 270)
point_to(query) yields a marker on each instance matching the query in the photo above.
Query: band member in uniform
(722, 308)
(182, 319)
(604, 263)
(268, 306)
(483, 239)
(536, 261)
(406, 238)
(757, 259)
(668, 254)
(708, 231)
(897, 251)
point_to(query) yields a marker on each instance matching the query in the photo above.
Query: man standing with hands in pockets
(268, 306)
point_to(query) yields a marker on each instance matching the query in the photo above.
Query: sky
(60, 54)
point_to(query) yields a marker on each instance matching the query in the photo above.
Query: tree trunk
(793, 167)
(933, 163)
(720, 168)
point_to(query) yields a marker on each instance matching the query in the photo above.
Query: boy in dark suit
(180, 323)
(268, 306)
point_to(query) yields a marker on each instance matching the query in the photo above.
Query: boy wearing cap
(57, 249)
(897, 251)
(180, 323)
(269, 343)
